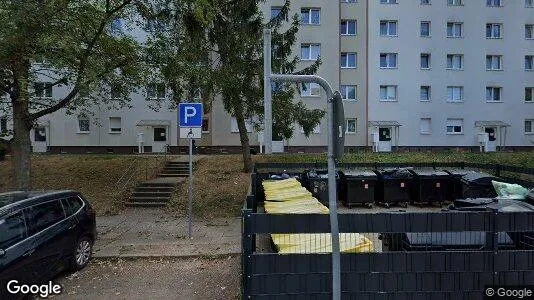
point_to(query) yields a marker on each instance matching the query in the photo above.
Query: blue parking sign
(190, 114)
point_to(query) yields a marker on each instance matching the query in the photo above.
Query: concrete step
(149, 199)
(157, 184)
(177, 163)
(176, 168)
(168, 189)
(172, 175)
(174, 172)
(145, 204)
(151, 194)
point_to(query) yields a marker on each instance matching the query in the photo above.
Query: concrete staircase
(152, 194)
(175, 169)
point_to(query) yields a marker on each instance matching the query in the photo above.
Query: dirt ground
(193, 278)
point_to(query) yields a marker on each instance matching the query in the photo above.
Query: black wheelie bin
(317, 183)
(357, 187)
(429, 186)
(393, 187)
(478, 185)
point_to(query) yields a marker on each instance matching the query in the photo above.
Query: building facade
(413, 73)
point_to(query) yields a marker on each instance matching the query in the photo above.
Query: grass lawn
(95, 176)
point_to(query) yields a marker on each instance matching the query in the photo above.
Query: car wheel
(82, 253)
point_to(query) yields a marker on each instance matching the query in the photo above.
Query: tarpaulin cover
(509, 191)
(289, 197)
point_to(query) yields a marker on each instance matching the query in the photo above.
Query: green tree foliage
(237, 35)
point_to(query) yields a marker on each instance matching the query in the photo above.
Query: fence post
(247, 244)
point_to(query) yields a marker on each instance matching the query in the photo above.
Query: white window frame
(454, 88)
(452, 60)
(429, 29)
(45, 93)
(316, 129)
(491, 59)
(309, 47)
(205, 118)
(275, 8)
(426, 2)
(154, 88)
(529, 90)
(344, 90)
(88, 120)
(531, 121)
(347, 22)
(388, 2)
(452, 122)
(492, 30)
(389, 24)
(429, 93)
(531, 59)
(529, 3)
(235, 129)
(355, 120)
(110, 124)
(428, 55)
(349, 1)
(494, 3)
(345, 64)
(455, 2)
(307, 90)
(531, 28)
(492, 93)
(421, 122)
(453, 26)
(310, 10)
(388, 60)
(389, 88)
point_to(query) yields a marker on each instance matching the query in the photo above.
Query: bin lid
(319, 174)
(473, 238)
(460, 172)
(429, 172)
(396, 173)
(478, 178)
(359, 173)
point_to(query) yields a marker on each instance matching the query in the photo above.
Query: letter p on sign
(190, 114)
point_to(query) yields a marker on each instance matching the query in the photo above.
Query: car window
(12, 230)
(74, 204)
(44, 215)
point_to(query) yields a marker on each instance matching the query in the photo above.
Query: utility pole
(267, 93)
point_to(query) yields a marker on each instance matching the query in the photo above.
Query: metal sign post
(190, 116)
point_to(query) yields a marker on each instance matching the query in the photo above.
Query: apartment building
(413, 73)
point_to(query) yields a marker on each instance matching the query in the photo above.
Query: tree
(238, 70)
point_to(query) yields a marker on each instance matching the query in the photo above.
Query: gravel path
(192, 278)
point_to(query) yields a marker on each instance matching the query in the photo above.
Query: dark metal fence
(439, 255)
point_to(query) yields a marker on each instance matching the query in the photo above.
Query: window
(388, 93)
(425, 93)
(115, 93)
(12, 230)
(310, 51)
(493, 62)
(83, 124)
(493, 3)
(275, 11)
(310, 16)
(388, 60)
(155, 91)
(493, 94)
(205, 125)
(352, 125)
(348, 27)
(310, 89)
(160, 134)
(316, 129)
(529, 3)
(529, 62)
(528, 127)
(39, 134)
(455, 126)
(454, 61)
(348, 60)
(455, 2)
(234, 128)
(425, 2)
(348, 1)
(425, 61)
(115, 125)
(42, 90)
(116, 26)
(44, 215)
(425, 28)
(425, 125)
(529, 94)
(348, 92)
(72, 205)
(388, 28)
(3, 125)
(493, 31)
(529, 31)
(388, 1)
(454, 30)
(455, 93)
(197, 94)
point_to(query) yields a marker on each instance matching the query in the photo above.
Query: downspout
(367, 74)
